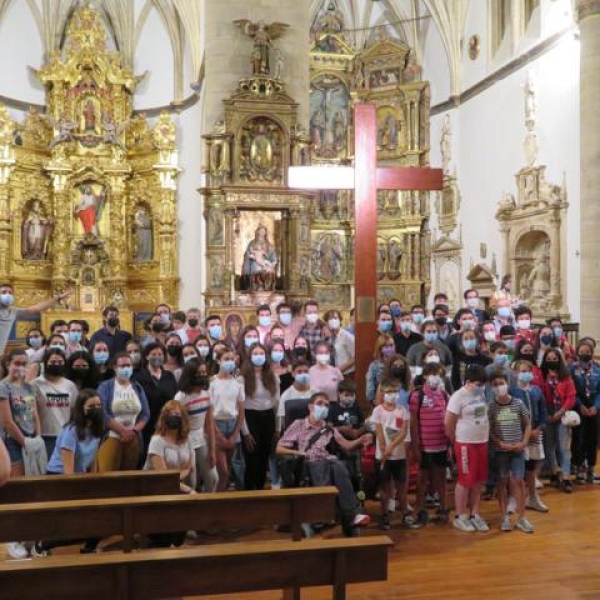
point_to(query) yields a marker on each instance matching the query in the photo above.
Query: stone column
(589, 24)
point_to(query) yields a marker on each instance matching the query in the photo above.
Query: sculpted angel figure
(262, 35)
(65, 129)
(112, 131)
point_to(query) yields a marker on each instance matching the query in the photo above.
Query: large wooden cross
(365, 178)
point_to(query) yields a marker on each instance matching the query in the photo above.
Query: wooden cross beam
(365, 178)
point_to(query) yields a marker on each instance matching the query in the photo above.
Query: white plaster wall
(488, 131)
(20, 47)
(155, 55)
(435, 66)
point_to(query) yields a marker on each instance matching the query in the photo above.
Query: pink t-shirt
(431, 415)
(326, 380)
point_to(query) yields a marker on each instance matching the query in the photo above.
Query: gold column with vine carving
(118, 204)
(7, 162)
(62, 210)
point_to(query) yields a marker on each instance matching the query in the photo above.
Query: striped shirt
(429, 408)
(197, 406)
(506, 420)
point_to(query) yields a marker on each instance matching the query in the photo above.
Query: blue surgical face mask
(431, 336)
(228, 366)
(478, 391)
(470, 344)
(165, 318)
(321, 412)
(277, 356)
(285, 318)
(405, 325)
(546, 339)
(101, 357)
(500, 359)
(56, 347)
(250, 341)
(396, 311)
(510, 344)
(302, 378)
(504, 312)
(7, 299)
(385, 325)
(35, 342)
(258, 360)
(264, 321)
(75, 337)
(558, 331)
(124, 372)
(526, 376)
(418, 318)
(215, 332)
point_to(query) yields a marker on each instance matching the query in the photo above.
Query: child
(391, 426)
(299, 393)
(533, 398)
(227, 398)
(510, 427)
(429, 441)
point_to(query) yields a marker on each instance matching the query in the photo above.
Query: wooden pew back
(217, 569)
(90, 485)
(157, 514)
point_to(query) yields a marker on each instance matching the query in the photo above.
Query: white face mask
(389, 398)
(489, 336)
(524, 323)
(323, 358)
(333, 323)
(312, 318)
(434, 358)
(473, 302)
(501, 390)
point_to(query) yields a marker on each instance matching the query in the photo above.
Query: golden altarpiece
(87, 188)
(264, 240)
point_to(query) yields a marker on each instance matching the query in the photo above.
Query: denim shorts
(509, 463)
(15, 450)
(226, 426)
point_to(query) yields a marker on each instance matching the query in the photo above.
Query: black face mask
(584, 358)
(55, 370)
(113, 322)
(157, 327)
(441, 321)
(202, 381)
(173, 422)
(398, 372)
(174, 350)
(95, 416)
(527, 356)
(80, 372)
(300, 351)
(553, 365)
(193, 323)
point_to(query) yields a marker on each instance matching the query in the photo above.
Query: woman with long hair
(261, 387)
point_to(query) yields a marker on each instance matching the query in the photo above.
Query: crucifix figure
(365, 178)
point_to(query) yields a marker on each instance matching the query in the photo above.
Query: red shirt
(430, 417)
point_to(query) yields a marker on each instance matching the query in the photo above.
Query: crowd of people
(489, 399)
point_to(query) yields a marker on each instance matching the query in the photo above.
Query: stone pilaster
(589, 24)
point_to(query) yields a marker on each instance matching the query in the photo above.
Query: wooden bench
(79, 519)
(216, 569)
(90, 485)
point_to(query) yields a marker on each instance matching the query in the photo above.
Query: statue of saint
(261, 149)
(35, 233)
(89, 116)
(446, 144)
(142, 227)
(262, 35)
(89, 209)
(260, 262)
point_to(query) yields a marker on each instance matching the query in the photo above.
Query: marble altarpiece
(88, 188)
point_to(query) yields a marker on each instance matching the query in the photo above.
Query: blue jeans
(557, 447)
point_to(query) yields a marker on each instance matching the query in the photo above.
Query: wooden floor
(561, 560)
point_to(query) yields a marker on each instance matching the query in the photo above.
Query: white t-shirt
(126, 406)
(54, 402)
(176, 456)
(473, 426)
(197, 406)
(293, 394)
(224, 396)
(391, 422)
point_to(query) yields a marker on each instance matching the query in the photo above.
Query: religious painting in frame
(329, 116)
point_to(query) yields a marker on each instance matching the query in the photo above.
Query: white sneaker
(512, 506)
(538, 484)
(479, 523)
(463, 524)
(391, 505)
(505, 524)
(17, 550)
(535, 503)
(524, 525)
